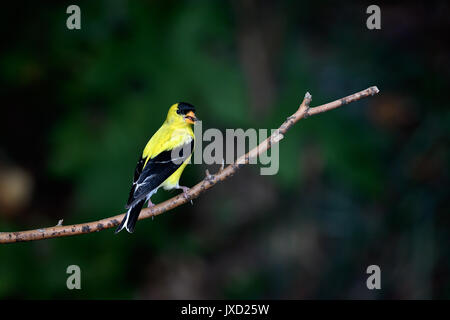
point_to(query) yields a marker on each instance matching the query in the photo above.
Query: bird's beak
(190, 117)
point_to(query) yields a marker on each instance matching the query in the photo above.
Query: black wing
(156, 171)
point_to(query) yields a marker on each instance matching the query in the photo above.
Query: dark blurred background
(365, 184)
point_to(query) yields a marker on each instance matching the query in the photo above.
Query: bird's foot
(185, 191)
(149, 205)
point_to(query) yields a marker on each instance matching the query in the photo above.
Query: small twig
(210, 180)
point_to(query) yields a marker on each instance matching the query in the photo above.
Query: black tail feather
(130, 219)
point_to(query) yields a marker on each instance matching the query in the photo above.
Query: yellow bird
(161, 164)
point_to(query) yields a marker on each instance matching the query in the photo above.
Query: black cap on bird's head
(188, 111)
(184, 108)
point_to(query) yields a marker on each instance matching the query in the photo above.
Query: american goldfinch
(164, 158)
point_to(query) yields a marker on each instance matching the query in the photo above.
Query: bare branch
(209, 181)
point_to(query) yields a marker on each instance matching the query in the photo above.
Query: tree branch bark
(209, 181)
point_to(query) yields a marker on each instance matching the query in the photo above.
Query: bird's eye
(178, 111)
